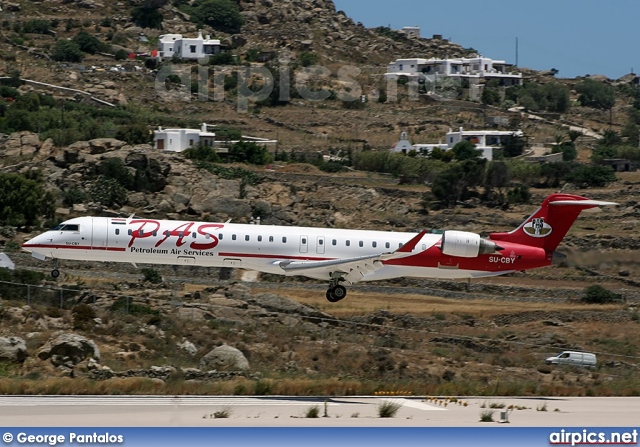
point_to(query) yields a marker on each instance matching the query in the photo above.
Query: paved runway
(198, 411)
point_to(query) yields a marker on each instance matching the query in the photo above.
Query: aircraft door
(117, 234)
(304, 244)
(320, 245)
(99, 234)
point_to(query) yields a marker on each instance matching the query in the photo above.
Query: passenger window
(233, 237)
(167, 233)
(334, 242)
(304, 240)
(424, 247)
(208, 236)
(246, 238)
(193, 235)
(374, 244)
(284, 240)
(361, 244)
(348, 243)
(259, 238)
(400, 245)
(219, 236)
(320, 242)
(387, 245)
(141, 233)
(155, 233)
(270, 238)
(181, 234)
(117, 231)
(130, 232)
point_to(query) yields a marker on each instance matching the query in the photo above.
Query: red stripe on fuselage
(73, 247)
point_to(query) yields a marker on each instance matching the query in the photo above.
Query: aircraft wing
(351, 269)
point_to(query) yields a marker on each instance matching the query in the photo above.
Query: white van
(573, 358)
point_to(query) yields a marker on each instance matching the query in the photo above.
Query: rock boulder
(13, 349)
(225, 358)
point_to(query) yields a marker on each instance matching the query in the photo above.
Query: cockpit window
(66, 227)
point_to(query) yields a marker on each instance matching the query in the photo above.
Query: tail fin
(550, 223)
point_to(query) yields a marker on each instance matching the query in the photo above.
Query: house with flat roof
(178, 140)
(470, 69)
(187, 47)
(486, 141)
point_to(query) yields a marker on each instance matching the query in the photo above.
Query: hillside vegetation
(83, 148)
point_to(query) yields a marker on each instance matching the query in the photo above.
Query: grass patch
(312, 412)
(388, 408)
(486, 416)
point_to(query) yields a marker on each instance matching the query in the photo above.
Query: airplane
(334, 255)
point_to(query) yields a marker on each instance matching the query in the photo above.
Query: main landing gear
(55, 272)
(336, 292)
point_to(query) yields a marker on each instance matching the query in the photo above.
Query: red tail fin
(550, 223)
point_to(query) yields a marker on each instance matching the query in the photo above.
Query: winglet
(409, 246)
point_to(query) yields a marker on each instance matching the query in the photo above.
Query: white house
(485, 140)
(177, 140)
(412, 32)
(187, 47)
(404, 145)
(470, 69)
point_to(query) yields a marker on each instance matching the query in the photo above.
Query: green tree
(114, 168)
(465, 150)
(148, 15)
(592, 176)
(610, 138)
(223, 15)
(596, 94)
(599, 295)
(307, 59)
(514, 146)
(569, 151)
(201, 152)
(37, 26)
(490, 96)
(453, 184)
(67, 51)
(23, 199)
(108, 192)
(121, 55)
(87, 42)
(249, 152)
(134, 133)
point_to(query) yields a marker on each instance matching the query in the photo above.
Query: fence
(39, 295)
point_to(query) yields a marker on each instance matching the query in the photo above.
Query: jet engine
(466, 245)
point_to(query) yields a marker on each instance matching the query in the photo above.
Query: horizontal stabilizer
(583, 202)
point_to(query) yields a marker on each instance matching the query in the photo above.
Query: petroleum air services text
(173, 251)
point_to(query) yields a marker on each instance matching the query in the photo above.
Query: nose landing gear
(55, 272)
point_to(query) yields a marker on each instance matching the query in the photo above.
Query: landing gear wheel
(330, 296)
(55, 273)
(339, 292)
(335, 294)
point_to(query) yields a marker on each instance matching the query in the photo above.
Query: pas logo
(538, 228)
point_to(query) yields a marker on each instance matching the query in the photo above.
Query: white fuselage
(255, 247)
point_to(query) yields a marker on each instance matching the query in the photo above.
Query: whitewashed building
(470, 69)
(187, 47)
(485, 140)
(178, 140)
